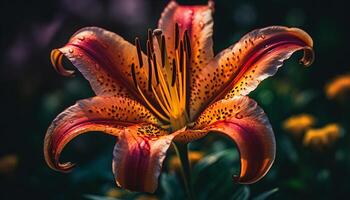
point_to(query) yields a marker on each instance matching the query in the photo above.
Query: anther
(138, 49)
(187, 44)
(163, 51)
(181, 56)
(133, 74)
(150, 38)
(155, 67)
(177, 35)
(157, 32)
(149, 50)
(149, 74)
(174, 73)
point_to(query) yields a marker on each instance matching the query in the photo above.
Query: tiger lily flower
(176, 92)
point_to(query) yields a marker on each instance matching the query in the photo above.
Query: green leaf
(211, 159)
(242, 193)
(95, 197)
(266, 194)
(171, 187)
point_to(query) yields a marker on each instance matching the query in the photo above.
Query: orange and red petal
(104, 58)
(105, 114)
(138, 157)
(198, 21)
(239, 69)
(243, 121)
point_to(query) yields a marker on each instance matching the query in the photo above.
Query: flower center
(168, 82)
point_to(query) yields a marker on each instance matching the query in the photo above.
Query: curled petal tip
(65, 167)
(309, 56)
(56, 60)
(211, 5)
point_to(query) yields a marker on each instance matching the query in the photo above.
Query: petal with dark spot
(106, 114)
(138, 157)
(244, 122)
(240, 68)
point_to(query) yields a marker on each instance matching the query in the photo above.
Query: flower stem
(182, 152)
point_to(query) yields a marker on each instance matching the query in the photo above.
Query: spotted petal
(138, 156)
(105, 114)
(240, 68)
(243, 121)
(105, 59)
(198, 21)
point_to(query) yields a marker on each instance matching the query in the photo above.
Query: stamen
(181, 59)
(177, 36)
(163, 51)
(155, 67)
(149, 50)
(157, 32)
(138, 48)
(149, 74)
(151, 106)
(173, 79)
(133, 74)
(170, 84)
(187, 44)
(150, 39)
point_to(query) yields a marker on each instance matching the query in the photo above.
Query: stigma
(167, 77)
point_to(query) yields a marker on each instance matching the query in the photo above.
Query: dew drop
(70, 50)
(81, 38)
(201, 24)
(262, 36)
(71, 121)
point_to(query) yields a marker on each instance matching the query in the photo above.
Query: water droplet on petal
(201, 24)
(81, 38)
(70, 50)
(262, 36)
(71, 121)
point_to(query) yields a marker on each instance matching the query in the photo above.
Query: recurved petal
(138, 157)
(105, 114)
(104, 58)
(243, 121)
(240, 68)
(198, 21)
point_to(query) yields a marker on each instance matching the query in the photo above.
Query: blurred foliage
(33, 94)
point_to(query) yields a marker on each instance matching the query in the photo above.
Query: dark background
(32, 94)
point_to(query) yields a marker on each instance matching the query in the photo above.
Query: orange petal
(243, 121)
(105, 114)
(198, 21)
(104, 58)
(240, 68)
(139, 155)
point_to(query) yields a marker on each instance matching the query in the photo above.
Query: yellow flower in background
(298, 124)
(146, 197)
(115, 193)
(338, 87)
(8, 163)
(322, 137)
(193, 156)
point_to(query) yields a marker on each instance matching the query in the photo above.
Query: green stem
(182, 152)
